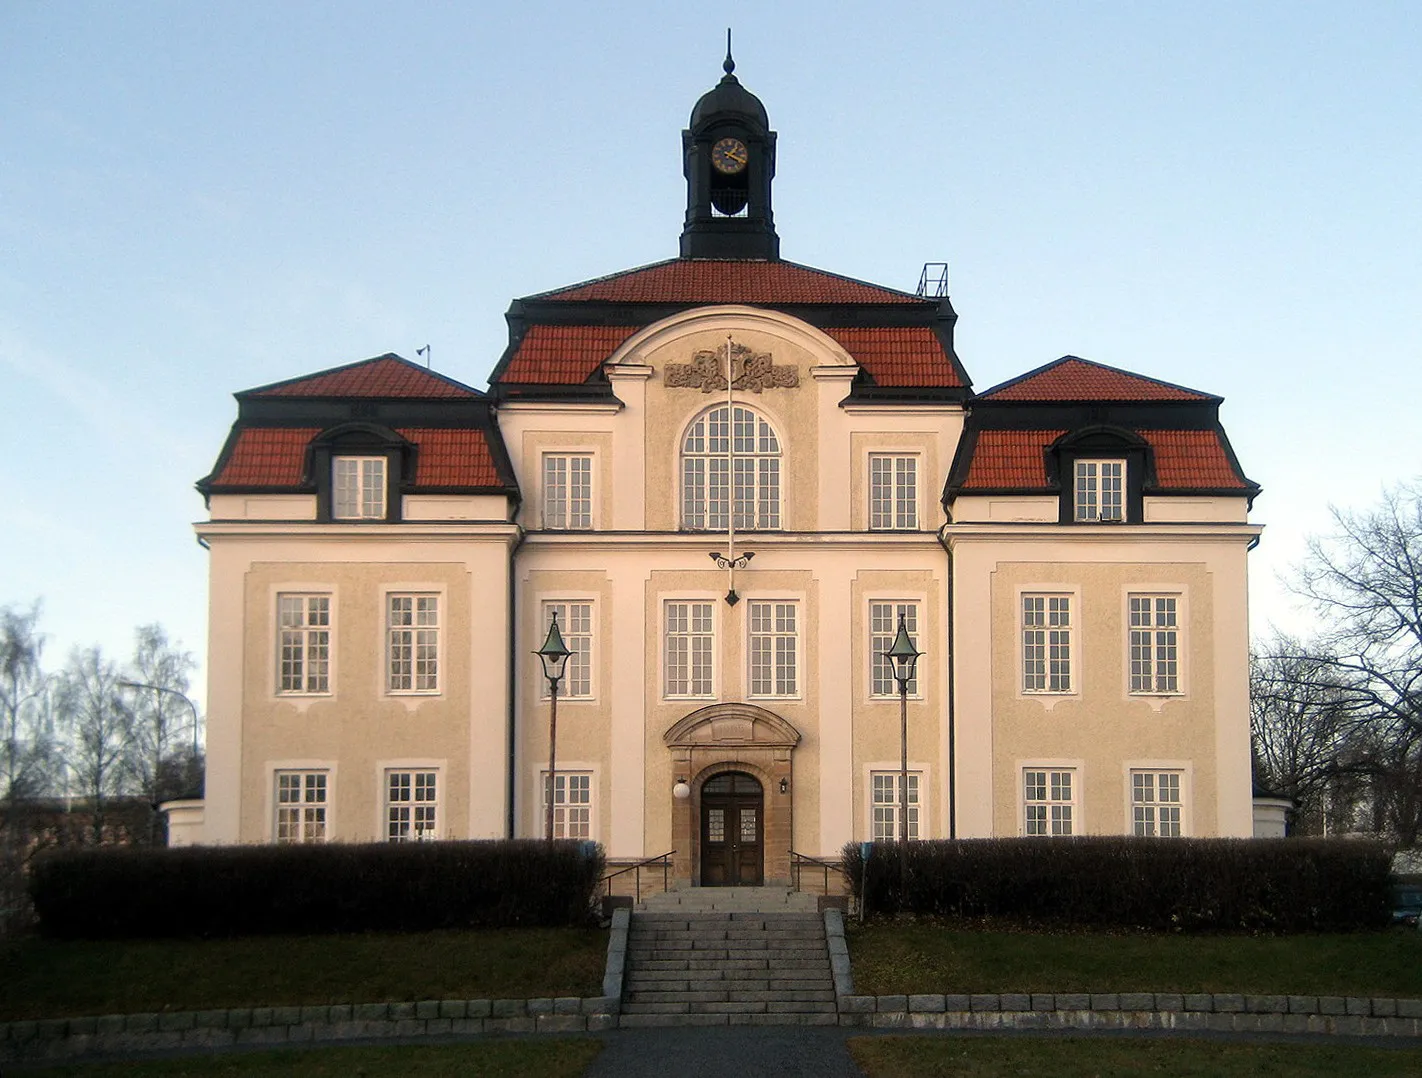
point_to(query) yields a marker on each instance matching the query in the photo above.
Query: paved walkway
(732, 1052)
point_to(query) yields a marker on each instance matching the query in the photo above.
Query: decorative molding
(757, 371)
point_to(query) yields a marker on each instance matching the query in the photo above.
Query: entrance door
(732, 807)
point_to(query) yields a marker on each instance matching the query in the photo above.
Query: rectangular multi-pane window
(774, 627)
(567, 492)
(885, 794)
(1046, 643)
(1100, 490)
(883, 626)
(412, 643)
(300, 806)
(358, 488)
(689, 642)
(572, 804)
(1049, 802)
(1155, 803)
(411, 803)
(1155, 644)
(893, 492)
(303, 643)
(575, 623)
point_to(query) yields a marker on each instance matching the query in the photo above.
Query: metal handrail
(636, 869)
(799, 860)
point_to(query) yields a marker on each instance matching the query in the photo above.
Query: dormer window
(358, 488)
(1099, 492)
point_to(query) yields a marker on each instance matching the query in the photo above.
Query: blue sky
(200, 198)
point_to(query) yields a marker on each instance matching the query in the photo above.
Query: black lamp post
(904, 657)
(554, 654)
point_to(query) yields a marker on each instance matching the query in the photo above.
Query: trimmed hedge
(108, 893)
(1164, 885)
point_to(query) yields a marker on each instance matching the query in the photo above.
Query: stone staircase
(728, 956)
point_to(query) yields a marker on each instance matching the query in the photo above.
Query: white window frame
(420, 805)
(1098, 489)
(778, 643)
(567, 479)
(1155, 645)
(309, 815)
(883, 803)
(577, 622)
(893, 492)
(372, 477)
(882, 685)
(707, 493)
(1156, 801)
(311, 641)
(1047, 642)
(581, 782)
(1049, 800)
(417, 636)
(700, 651)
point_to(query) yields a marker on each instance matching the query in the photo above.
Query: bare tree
(26, 736)
(165, 727)
(1365, 582)
(97, 727)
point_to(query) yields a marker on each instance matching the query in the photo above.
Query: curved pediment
(731, 725)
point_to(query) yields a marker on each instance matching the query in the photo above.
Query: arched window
(713, 449)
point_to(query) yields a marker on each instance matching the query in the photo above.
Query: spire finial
(729, 66)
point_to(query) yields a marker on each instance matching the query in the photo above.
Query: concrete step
(731, 899)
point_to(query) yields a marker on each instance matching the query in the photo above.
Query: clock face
(729, 155)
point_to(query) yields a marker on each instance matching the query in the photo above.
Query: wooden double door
(732, 826)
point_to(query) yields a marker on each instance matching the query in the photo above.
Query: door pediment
(730, 725)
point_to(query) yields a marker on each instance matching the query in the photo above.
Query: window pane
(730, 461)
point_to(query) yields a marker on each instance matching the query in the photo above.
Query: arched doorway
(732, 831)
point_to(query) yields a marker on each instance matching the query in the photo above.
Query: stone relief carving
(752, 371)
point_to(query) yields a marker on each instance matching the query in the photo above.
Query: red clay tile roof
(276, 457)
(563, 355)
(1184, 460)
(266, 457)
(708, 280)
(568, 355)
(1004, 459)
(384, 376)
(1191, 458)
(1073, 379)
(451, 457)
(905, 356)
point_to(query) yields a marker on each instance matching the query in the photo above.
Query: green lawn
(1117, 1057)
(547, 1058)
(891, 958)
(48, 979)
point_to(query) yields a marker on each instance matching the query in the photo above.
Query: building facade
(730, 478)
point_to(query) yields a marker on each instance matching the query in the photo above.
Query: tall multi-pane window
(572, 804)
(1154, 644)
(689, 640)
(893, 492)
(1100, 490)
(885, 794)
(575, 623)
(358, 488)
(411, 804)
(300, 806)
(412, 643)
(1046, 643)
(883, 625)
(1049, 802)
(774, 629)
(730, 452)
(1156, 803)
(567, 491)
(303, 643)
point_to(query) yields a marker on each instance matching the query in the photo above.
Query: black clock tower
(729, 162)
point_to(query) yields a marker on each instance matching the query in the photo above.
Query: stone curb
(838, 953)
(616, 953)
(1350, 1016)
